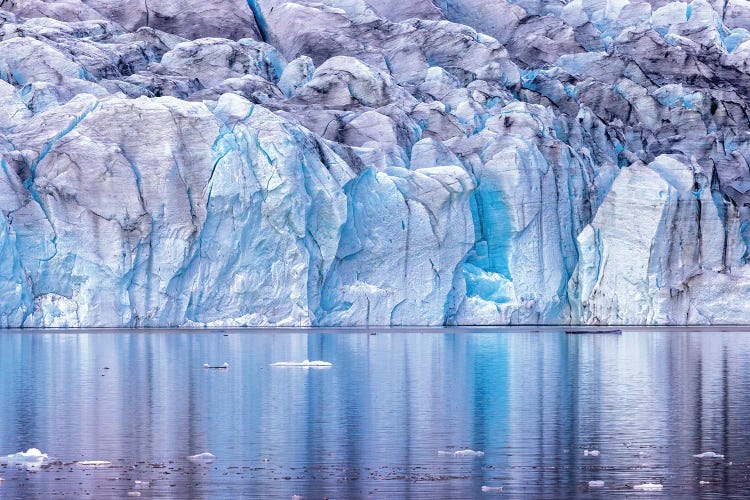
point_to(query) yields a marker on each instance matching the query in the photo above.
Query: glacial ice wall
(374, 162)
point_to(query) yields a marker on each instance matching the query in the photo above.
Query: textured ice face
(353, 162)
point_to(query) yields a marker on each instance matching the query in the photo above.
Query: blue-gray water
(372, 424)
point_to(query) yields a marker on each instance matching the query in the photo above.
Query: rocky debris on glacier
(371, 162)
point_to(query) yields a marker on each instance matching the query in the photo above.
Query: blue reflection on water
(372, 424)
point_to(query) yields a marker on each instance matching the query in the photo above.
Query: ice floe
(709, 454)
(216, 367)
(461, 453)
(202, 457)
(94, 463)
(590, 453)
(596, 484)
(649, 487)
(492, 489)
(305, 364)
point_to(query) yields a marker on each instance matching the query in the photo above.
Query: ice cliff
(374, 162)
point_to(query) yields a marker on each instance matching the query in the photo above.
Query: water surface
(373, 423)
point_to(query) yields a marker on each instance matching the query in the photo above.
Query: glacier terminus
(374, 162)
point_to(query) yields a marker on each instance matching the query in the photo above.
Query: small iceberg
(31, 458)
(708, 454)
(30, 455)
(492, 489)
(649, 487)
(461, 453)
(590, 453)
(703, 483)
(134, 493)
(305, 364)
(202, 457)
(596, 484)
(94, 463)
(216, 367)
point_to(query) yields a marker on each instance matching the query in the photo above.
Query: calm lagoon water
(372, 424)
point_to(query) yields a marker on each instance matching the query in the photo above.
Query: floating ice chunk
(94, 463)
(22, 457)
(202, 457)
(134, 493)
(702, 483)
(596, 484)
(492, 489)
(142, 484)
(649, 487)
(306, 364)
(31, 458)
(216, 367)
(461, 453)
(592, 453)
(708, 454)
(468, 453)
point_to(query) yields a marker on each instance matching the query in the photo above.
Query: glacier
(172, 163)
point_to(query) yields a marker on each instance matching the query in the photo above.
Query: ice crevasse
(366, 162)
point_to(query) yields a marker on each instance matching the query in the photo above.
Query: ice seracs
(373, 163)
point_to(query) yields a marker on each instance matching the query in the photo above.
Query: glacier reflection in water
(372, 424)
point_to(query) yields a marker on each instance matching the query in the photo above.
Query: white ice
(202, 457)
(648, 487)
(709, 454)
(30, 455)
(492, 489)
(461, 453)
(306, 364)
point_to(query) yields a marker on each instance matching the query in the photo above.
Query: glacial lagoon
(544, 414)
